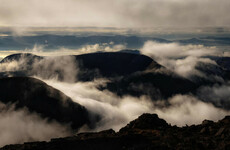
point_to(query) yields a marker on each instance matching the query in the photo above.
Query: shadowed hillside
(93, 65)
(43, 99)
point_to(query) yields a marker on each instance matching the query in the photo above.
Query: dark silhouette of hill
(146, 132)
(28, 57)
(94, 65)
(224, 62)
(38, 97)
(157, 85)
(207, 41)
(111, 64)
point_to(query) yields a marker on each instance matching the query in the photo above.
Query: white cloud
(175, 50)
(181, 59)
(218, 94)
(21, 126)
(116, 112)
(186, 109)
(91, 48)
(119, 13)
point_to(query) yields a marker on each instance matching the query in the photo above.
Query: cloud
(182, 59)
(15, 65)
(91, 48)
(104, 47)
(116, 111)
(217, 94)
(119, 13)
(21, 126)
(187, 109)
(175, 50)
(62, 68)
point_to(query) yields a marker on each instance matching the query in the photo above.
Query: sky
(115, 13)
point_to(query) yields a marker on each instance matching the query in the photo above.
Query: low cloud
(62, 68)
(181, 59)
(21, 126)
(217, 94)
(104, 47)
(175, 50)
(116, 111)
(91, 48)
(187, 109)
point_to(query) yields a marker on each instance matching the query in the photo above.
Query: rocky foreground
(146, 132)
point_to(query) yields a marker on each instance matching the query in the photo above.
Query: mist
(19, 126)
(217, 94)
(116, 111)
(181, 59)
(90, 48)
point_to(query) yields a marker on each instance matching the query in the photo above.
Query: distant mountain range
(57, 41)
(50, 42)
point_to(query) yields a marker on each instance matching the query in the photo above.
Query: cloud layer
(119, 13)
(116, 112)
(90, 48)
(21, 126)
(181, 59)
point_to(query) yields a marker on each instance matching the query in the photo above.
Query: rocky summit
(145, 133)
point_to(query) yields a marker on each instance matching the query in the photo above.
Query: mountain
(207, 41)
(146, 132)
(111, 64)
(38, 97)
(93, 65)
(29, 58)
(154, 83)
(128, 73)
(224, 62)
(51, 41)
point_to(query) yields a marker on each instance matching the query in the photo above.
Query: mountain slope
(40, 98)
(93, 65)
